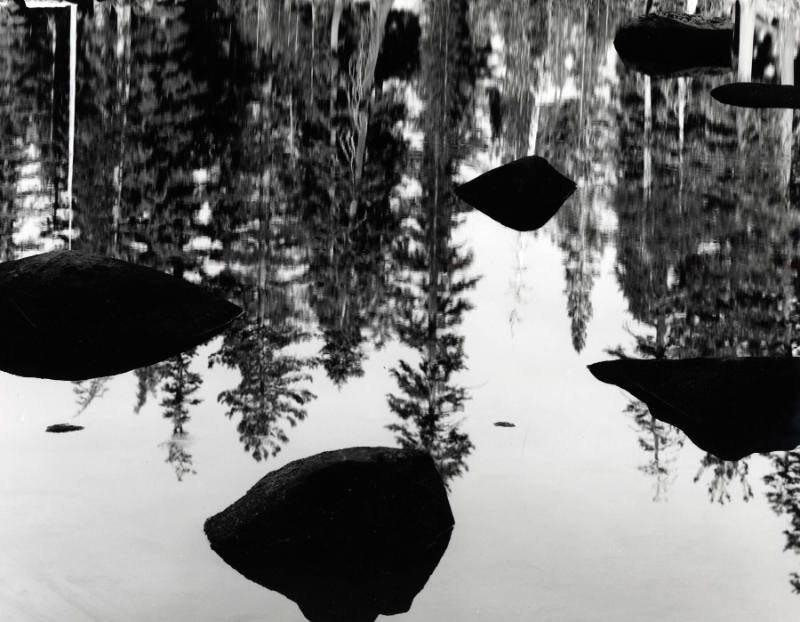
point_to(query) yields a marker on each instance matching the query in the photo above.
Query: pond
(300, 160)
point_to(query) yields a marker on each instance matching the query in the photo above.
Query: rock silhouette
(68, 315)
(675, 44)
(347, 534)
(756, 95)
(522, 195)
(60, 428)
(730, 408)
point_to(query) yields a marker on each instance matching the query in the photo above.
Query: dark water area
(305, 162)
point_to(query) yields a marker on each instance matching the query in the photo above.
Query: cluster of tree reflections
(300, 158)
(261, 149)
(707, 203)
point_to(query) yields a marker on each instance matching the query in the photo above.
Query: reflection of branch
(87, 393)
(784, 498)
(348, 147)
(518, 283)
(661, 441)
(724, 472)
(178, 457)
(362, 78)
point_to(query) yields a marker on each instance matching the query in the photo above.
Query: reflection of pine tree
(660, 441)
(534, 113)
(706, 253)
(161, 128)
(431, 297)
(12, 120)
(87, 391)
(31, 116)
(342, 355)
(784, 497)
(580, 239)
(351, 155)
(268, 393)
(147, 381)
(429, 400)
(103, 85)
(180, 459)
(179, 384)
(723, 473)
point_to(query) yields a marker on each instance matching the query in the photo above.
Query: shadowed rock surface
(675, 44)
(60, 428)
(730, 408)
(347, 534)
(522, 195)
(756, 95)
(68, 315)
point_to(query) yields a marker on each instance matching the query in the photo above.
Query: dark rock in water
(730, 408)
(68, 315)
(60, 428)
(347, 534)
(755, 95)
(522, 195)
(676, 44)
(505, 424)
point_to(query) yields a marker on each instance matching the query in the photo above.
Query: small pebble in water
(64, 427)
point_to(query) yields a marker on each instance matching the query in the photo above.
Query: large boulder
(676, 44)
(756, 95)
(730, 408)
(522, 195)
(346, 534)
(69, 315)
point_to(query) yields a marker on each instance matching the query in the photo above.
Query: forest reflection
(278, 166)
(300, 159)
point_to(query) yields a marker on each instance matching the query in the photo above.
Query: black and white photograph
(421, 310)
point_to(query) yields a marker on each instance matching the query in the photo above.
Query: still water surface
(225, 143)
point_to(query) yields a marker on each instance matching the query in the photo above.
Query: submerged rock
(60, 428)
(522, 195)
(68, 315)
(730, 408)
(676, 44)
(756, 95)
(347, 534)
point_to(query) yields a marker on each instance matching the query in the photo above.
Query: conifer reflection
(271, 392)
(432, 300)
(784, 498)
(660, 441)
(705, 261)
(87, 391)
(350, 158)
(177, 384)
(722, 474)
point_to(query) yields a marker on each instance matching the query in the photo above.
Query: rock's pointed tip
(723, 94)
(600, 370)
(758, 95)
